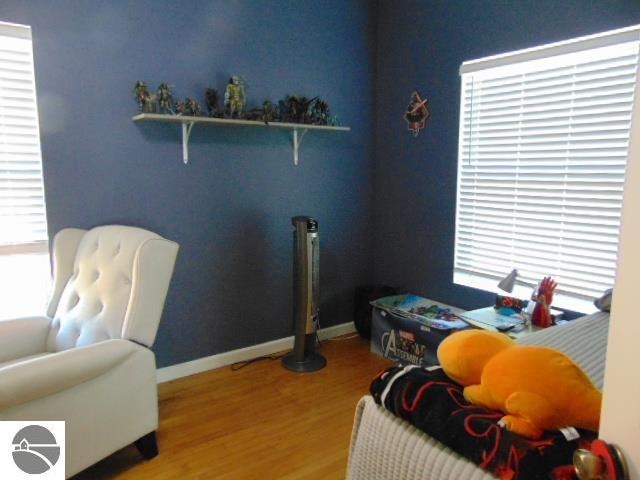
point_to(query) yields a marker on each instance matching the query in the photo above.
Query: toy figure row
(292, 108)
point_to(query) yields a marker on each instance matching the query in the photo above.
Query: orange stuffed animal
(538, 388)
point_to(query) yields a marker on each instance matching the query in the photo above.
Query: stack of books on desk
(489, 317)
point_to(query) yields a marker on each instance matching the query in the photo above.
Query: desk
(488, 319)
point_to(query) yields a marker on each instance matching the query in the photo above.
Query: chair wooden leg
(148, 445)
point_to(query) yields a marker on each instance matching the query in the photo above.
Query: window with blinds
(24, 257)
(542, 155)
(23, 225)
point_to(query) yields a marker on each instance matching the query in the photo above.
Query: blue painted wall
(230, 208)
(392, 220)
(421, 46)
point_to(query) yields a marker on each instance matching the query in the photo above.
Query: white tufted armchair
(88, 360)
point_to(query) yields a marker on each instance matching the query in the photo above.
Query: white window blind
(542, 156)
(23, 226)
(24, 258)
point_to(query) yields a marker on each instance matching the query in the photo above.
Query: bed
(384, 447)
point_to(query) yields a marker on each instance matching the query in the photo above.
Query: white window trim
(17, 30)
(613, 37)
(36, 247)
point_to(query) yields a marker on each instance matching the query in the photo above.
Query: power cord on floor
(238, 365)
(338, 339)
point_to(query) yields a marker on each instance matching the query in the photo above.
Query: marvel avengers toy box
(408, 328)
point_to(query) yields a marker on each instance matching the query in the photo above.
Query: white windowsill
(25, 281)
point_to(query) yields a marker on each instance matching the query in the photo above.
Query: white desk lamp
(508, 282)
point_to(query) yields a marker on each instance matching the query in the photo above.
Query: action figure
(142, 96)
(320, 112)
(234, 97)
(265, 114)
(165, 99)
(188, 107)
(296, 109)
(269, 113)
(191, 107)
(211, 100)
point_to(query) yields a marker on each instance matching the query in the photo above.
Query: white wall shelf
(187, 122)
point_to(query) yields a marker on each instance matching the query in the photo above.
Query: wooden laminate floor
(260, 422)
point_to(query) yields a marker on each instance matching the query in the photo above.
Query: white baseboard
(199, 365)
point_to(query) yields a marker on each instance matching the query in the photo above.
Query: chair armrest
(20, 337)
(43, 376)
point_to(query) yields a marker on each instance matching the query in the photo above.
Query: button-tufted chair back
(109, 282)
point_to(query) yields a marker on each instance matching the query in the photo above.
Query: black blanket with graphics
(433, 403)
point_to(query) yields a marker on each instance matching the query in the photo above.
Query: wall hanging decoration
(417, 113)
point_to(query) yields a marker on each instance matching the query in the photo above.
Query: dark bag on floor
(362, 313)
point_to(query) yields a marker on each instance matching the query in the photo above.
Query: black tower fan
(306, 255)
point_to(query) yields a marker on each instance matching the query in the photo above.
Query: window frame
(605, 39)
(26, 287)
(24, 32)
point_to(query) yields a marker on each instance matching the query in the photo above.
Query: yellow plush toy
(538, 388)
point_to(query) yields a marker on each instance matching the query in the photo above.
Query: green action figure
(234, 98)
